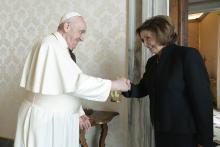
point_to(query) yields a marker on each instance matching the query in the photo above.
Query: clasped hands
(121, 84)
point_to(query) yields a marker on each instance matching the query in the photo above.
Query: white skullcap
(68, 16)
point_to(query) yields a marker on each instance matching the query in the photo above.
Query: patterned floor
(216, 120)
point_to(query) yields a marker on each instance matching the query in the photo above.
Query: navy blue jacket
(180, 97)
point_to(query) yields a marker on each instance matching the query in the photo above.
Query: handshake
(121, 84)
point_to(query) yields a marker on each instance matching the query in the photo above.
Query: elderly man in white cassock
(51, 113)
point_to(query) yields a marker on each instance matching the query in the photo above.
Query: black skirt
(175, 140)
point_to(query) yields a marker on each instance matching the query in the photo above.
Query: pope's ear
(66, 27)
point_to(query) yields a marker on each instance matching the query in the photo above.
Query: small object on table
(115, 96)
(98, 118)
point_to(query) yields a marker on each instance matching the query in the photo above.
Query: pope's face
(150, 41)
(76, 32)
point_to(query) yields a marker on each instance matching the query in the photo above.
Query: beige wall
(209, 42)
(193, 34)
(102, 54)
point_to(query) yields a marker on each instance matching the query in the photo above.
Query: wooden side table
(98, 118)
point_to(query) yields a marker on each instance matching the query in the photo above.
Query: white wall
(102, 54)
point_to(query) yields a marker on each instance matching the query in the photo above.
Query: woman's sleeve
(200, 97)
(142, 88)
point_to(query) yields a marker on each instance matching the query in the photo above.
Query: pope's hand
(84, 122)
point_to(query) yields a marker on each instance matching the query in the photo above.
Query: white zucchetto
(68, 16)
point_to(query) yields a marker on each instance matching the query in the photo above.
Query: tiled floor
(216, 120)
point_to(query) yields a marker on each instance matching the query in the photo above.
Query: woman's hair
(162, 27)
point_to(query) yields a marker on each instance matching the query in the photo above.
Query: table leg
(104, 131)
(82, 138)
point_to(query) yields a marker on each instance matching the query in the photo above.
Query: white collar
(60, 38)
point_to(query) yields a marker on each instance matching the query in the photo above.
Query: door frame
(178, 11)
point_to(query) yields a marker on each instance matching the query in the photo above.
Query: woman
(177, 83)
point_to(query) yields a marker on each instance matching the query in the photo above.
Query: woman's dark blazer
(180, 98)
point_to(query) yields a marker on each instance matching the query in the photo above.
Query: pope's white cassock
(54, 84)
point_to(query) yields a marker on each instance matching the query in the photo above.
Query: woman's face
(150, 41)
